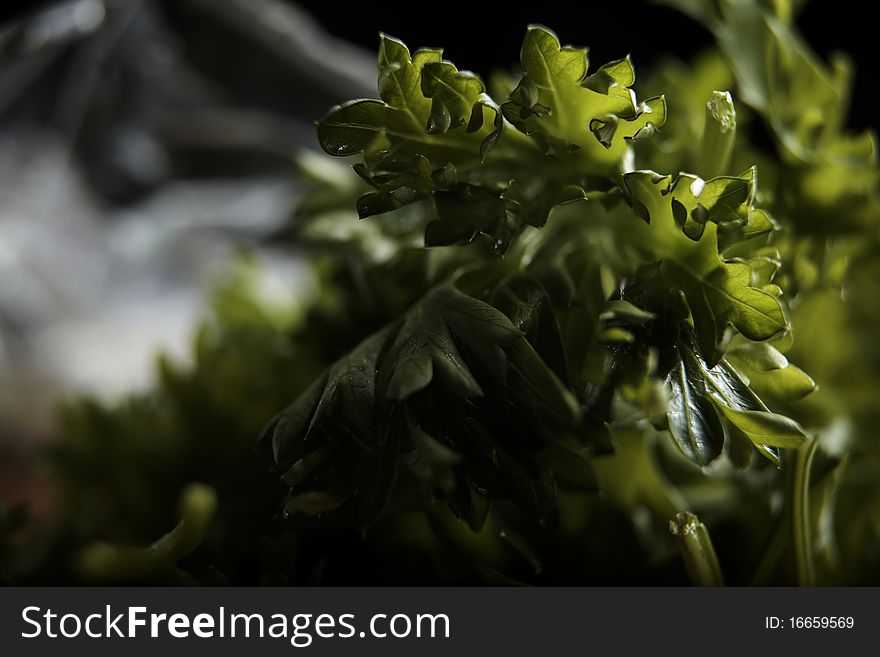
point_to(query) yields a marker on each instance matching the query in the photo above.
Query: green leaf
(766, 428)
(429, 339)
(477, 121)
(400, 76)
(458, 97)
(350, 390)
(293, 422)
(452, 93)
(528, 306)
(550, 74)
(759, 356)
(613, 78)
(769, 372)
(530, 199)
(363, 125)
(430, 116)
(748, 414)
(329, 435)
(757, 314)
(559, 105)
(539, 386)
(718, 291)
(623, 311)
(693, 419)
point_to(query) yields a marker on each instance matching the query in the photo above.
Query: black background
(485, 35)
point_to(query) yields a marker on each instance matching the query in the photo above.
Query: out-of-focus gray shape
(232, 129)
(330, 63)
(48, 220)
(89, 295)
(28, 47)
(146, 91)
(142, 144)
(89, 64)
(63, 22)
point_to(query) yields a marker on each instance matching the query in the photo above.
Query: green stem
(718, 136)
(778, 542)
(801, 529)
(697, 551)
(106, 562)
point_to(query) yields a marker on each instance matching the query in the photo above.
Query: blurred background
(142, 144)
(145, 143)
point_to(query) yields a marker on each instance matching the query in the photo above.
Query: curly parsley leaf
(684, 218)
(559, 105)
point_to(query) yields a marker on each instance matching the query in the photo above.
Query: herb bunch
(552, 322)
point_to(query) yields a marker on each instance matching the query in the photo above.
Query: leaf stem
(697, 550)
(108, 562)
(799, 503)
(718, 135)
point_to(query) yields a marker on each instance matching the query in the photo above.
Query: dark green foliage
(534, 351)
